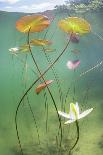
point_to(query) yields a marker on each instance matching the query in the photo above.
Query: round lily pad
(32, 23)
(74, 25)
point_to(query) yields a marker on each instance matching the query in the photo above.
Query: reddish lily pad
(32, 23)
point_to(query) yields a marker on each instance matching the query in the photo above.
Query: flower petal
(70, 121)
(85, 113)
(72, 113)
(77, 107)
(64, 114)
(14, 49)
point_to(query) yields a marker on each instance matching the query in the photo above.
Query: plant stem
(77, 126)
(56, 78)
(44, 82)
(20, 102)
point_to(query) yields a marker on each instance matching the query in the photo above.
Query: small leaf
(42, 86)
(39, 42)
(24, 48)
(49, 50)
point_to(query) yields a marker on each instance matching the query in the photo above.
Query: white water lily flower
(74, 113)
(14, 49)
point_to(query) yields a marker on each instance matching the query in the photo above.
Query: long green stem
(34, 119)
(77, 126)
(45, 83)
(17, 109)
(56, 78)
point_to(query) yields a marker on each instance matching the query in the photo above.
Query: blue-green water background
(88, 90)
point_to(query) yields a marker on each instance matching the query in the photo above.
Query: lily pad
(39, 42)
(32, 23)
(49, 50)
(74, 25)
(24, 48)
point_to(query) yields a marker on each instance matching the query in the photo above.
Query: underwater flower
(14, 49)
(22, 48)
(73, 64)
(74, 38)
(74, 113)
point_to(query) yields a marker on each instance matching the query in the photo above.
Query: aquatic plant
(37, 23)
(40, 42)
(48, 50)
(32, 23)
(29, 24)
(73, 64)
(73, 25)
(73, 116)
(42, 86)
(14, 49)
(74, 113)
(75, 38)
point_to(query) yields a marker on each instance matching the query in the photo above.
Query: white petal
(64, 114)
(85, 113)
(77, 107)
(13, 49)
(72, 112)
(70, 121)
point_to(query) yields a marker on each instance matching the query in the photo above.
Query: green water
(88, 91)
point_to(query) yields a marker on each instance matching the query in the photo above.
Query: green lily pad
(74, 25)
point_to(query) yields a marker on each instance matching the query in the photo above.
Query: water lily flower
(73, 64)
(14, 49)
(74, 113)
(74, 38)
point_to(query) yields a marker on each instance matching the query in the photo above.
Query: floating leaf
(42, 86)
(74, 25)
(39, 42)
(49, 50)
(24, 48)
(73, 64)
(32, 23)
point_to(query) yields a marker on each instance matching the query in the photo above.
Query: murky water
(42, 137)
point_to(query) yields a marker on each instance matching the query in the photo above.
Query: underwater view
(51, 80)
